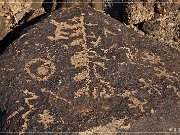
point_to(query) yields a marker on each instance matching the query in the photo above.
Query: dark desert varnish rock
(81, 71)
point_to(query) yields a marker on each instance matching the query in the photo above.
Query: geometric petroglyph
(40, 69)
(45, 118)
(85, 58)
(54, 97)
(152, 58)
(15, 113)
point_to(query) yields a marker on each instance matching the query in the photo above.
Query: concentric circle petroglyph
(40, 69)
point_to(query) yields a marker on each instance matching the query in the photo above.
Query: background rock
(156, 18)
(13, 11)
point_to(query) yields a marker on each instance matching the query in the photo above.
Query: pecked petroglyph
(107, 32)
(135, 102)
(31, 107)
(45, 118)
(108, 129)
(43, 72)
(85, 57)
(160, 72)
(96, 43)
(61, 28)
(147, 84)
(176, 90)
(15, 113)
(54, 96)
(152, 58)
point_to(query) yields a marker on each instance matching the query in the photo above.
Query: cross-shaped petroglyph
(86, 58)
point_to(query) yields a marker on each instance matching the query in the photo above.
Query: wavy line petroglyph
(84, 58)
(43, 71)
(108, 129)
(45, 118)
(32, 96)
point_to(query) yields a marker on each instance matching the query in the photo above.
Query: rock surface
(76, 72)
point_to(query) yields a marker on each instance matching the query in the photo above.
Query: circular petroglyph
(40, 69)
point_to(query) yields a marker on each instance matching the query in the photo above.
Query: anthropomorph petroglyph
(85, 58)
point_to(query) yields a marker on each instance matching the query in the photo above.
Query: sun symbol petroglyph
(40, 69)
(86, 58)
(31, 106)
(45, 118)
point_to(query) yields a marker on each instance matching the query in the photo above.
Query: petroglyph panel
(79, 70)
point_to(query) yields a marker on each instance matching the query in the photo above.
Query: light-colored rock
(13, 11)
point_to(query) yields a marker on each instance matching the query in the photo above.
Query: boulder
(79, 70)
(14, 12)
